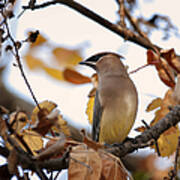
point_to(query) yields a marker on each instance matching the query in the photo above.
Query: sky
(68, 28)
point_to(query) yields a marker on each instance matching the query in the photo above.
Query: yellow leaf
(168, 141)
(154, 104)
(33, 62)
(89, 109)
(18, 120)
(48, 105)
(33, 140)
(54, 73)
(61, 126)
(66, 56)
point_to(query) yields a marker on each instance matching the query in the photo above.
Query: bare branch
(171, 119)
(123, 32)
(17, 56)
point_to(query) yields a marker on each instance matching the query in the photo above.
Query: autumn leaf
(90, 166)
(92, 144)
(61, 126)
(66, 57)
(33, 62)
(54, 73)
(172, 59)
(33, 140)
(45, 121)
(95, 165)
(140, 129)
(49, 105)
(89, 109)
(167, 142)
(154, 104)
(113, 168)
(18, 120)
(164, 70)
(75, 77)
(48, 118)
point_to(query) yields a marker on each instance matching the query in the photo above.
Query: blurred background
(64, 28)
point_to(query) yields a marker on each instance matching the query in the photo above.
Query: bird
(116, 99)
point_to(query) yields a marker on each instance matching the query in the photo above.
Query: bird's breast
(119, 110)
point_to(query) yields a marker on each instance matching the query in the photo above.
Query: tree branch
(140, 141)
(123, 32)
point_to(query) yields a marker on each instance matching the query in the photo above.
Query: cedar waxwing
(116, 99)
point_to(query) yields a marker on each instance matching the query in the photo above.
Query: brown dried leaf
(33, 140)
(49, 105)
(75, 77)
(92, 144)
(153, 58)
(166, 74)
(66, 57)
(61, 126)
(172, 59)
(140, 129)
(164, 70)
(44, 118)
(45, 122)
(154, 104)
(84, 164)
(112, 167)
(18, 120)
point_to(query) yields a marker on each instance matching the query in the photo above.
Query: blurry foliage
(88, 159)
(65, 59)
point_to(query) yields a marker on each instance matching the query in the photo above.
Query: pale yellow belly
(116, 126)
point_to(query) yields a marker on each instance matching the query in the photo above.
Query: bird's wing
(98, 109)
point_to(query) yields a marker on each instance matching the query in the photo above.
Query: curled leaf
(154, 104)
(75, 77)
(172, 59)
(165, 72)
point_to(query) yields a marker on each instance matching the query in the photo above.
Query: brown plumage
(116, 99)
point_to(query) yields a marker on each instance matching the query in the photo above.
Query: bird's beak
(89, 63)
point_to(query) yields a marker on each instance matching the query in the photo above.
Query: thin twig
(139, 68)
(155, 143)
(129, 35)
(17, 56)
(135, 25)
(121, 13)
(57, 174)
(176, 159)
